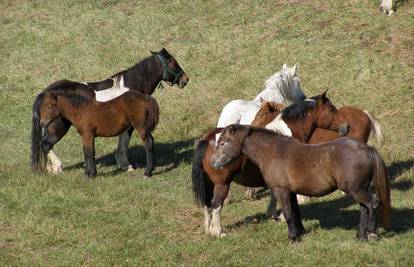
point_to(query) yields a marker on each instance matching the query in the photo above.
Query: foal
(289, 167)
(132, 110)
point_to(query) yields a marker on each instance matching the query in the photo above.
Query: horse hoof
(372, 237)
(130, 168)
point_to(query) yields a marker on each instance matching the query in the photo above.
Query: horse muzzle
(216, 164)
(183, 81)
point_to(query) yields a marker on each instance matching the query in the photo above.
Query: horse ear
(231, 129)
(323, 95)
(294, 69)
(284, 67)
(262, 100)
(153, 53)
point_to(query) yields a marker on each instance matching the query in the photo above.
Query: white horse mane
(278, 87)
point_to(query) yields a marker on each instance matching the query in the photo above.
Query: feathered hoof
(130, 168)
(372, 237)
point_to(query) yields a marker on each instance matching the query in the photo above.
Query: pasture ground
(228, 48)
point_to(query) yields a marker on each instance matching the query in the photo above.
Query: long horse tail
(375, 128)
(382, 186)
(153, 114)
(38, 157)
(202, 186)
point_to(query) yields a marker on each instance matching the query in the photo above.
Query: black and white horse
(144, 77)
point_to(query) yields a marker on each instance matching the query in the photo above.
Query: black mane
(76, 100)
(298, 111)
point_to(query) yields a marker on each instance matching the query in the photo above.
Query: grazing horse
(282, 87)
(289, 167)
(131, 110)
(143, 77)
(309, 114)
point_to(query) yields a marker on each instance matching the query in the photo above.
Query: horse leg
(284, 197)
(296, 210)
(250, 193)
(148, 141)
(369, 201)
(220, 193)
(89, 153)
(55, 131)
(121, 154)
(271, 208)
(207, 219)
(363, 223)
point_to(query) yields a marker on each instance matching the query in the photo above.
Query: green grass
(228, 49)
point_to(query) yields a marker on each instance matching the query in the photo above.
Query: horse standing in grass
(143, 77)
(308, 114)
(282, 87)
(289, 167)
(132, 110)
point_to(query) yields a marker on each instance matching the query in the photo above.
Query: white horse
(282, 87)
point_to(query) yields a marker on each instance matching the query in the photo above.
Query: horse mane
(297, 111)
(76, 100)
(136, 74)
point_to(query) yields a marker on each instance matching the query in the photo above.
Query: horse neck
(302, 130)
(144, 76)
(273, 91)
(256, 147)
(67, 110)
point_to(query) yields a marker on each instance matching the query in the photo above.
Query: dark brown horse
(305, 116)
(131, 110)
(289, 167)
(143, 77)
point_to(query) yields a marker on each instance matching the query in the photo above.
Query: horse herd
(281, 140)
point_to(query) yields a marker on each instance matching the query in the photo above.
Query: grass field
(228, 48)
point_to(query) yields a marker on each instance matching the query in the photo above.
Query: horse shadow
(167, 157)
(398, 168)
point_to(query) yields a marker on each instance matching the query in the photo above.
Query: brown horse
(144, 77)
(309, 114)
(132, 110)
(289, 167)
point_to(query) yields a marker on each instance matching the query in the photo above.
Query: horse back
(71, 87)
(320, 169)
(358, 122)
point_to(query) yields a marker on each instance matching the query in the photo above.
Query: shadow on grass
(167, 156)
(333, 214)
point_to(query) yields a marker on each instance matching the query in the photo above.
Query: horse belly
(314, 186)
(250, 176)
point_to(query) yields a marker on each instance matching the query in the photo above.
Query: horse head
(268, 112)
(171, 71)
(229, 145)
(325, 110)
(48, 110)
(294, 89)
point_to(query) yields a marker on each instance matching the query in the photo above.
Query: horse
(282, 87)
(346, 121)
(289, 167)
(143, 77)
(131, 110)
(309, 114)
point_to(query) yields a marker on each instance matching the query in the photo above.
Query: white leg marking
(215, 226)
(55, 165)
(207, 219)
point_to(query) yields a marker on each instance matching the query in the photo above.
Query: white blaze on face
(118, 88)
(279, 126)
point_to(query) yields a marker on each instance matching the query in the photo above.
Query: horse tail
(382, 186)
(37, 155)
(202, 186)
(375, 128)
(153, 114)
